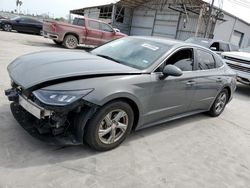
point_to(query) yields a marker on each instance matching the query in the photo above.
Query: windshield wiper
(108, 57)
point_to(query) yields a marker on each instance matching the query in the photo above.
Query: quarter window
(79, 22)
(205, 60)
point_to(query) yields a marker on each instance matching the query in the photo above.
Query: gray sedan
(128, 84)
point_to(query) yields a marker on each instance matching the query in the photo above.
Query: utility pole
(209, 17)
(199, 22)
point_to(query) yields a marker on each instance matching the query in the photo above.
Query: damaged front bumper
(52, 124)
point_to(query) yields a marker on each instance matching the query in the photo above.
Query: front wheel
(109, 126)
(70, 41)
(219, 103)
(7, 27)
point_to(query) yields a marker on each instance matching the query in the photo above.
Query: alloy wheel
(113, 126)
(71, 42)
(221, 102)
(7, 27)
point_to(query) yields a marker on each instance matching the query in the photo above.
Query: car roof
(173, 43)
(209, 40)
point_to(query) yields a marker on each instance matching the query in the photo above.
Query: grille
(239, 68)
(237, 60)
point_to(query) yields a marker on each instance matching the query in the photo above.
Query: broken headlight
(60, 98)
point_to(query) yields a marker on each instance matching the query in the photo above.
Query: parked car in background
(81, 31)
(218, 46)
(240, 63)
(22, 24)
(127, 84)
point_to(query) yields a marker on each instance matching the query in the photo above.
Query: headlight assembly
(60, 98)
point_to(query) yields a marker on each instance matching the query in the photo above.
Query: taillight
(53, 26)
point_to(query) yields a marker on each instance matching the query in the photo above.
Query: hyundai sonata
(127, 84)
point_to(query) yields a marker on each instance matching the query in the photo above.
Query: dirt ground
(193, 152)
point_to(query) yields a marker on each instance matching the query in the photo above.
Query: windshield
(199, 41)
(15, 18)
(245, 49)
(133, 52)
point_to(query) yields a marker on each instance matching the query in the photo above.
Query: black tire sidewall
(91, 132)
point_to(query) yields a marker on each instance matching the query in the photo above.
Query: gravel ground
(197, 151)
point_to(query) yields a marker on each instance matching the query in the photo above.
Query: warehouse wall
(152, 19)
(125, 26)
(226, 30)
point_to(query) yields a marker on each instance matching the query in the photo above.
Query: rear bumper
(50, 35)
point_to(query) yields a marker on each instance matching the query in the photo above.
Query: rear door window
(94, 24)
(205, 60)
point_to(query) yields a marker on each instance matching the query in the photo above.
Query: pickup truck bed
(82, 31)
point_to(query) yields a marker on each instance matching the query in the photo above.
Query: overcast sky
(60, 8)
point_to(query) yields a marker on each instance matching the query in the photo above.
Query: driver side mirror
(116, 30)
(171, 70)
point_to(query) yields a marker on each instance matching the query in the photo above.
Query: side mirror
(213, 48)
(116, 30)
(171, 70)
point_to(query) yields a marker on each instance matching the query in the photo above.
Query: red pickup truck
(82, 31)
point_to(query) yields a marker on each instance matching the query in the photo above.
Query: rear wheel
(70, 41)
(57, 42)
(219, 103)
(109, 126)
(7, 27)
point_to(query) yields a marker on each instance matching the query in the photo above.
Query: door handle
(190, 83)
(219, 80)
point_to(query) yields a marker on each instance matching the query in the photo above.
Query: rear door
(94, 34)
(207, 80)
(107, 32)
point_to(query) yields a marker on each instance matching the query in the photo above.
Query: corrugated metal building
(179, 19)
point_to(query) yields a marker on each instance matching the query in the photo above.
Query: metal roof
(136, 3)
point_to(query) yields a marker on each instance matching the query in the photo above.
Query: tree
(18, 5)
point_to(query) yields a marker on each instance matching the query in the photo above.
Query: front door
(171, 96)
(107, 32)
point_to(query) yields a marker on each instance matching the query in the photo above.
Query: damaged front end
(51, 115)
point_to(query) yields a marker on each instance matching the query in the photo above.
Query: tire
(219, 103)
(7, 27)
(57, 42)
(70, 41)
(109, 126)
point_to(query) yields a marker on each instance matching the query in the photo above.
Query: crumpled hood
(238, 55)
(36, 68)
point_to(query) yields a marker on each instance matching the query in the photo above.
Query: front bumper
(46, 125)
(30, 124)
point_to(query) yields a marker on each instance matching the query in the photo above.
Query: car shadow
(243, 90)
(20, 150)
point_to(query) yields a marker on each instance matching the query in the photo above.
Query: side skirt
(170, 119)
